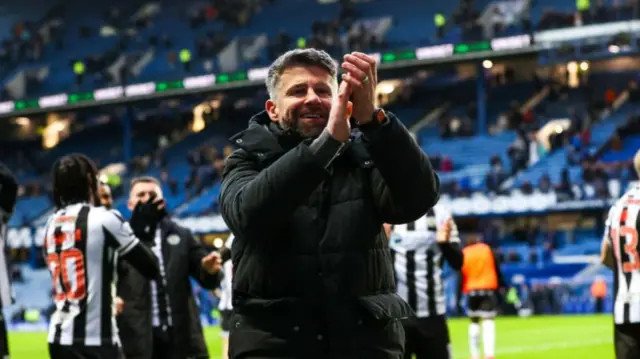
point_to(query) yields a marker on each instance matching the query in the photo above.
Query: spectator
(446, 164)
(496, 174)
(609, 97)
(564, 189)
(544, 184)
(526, 187)
(574, 155)
(601, 188)
(518, 152)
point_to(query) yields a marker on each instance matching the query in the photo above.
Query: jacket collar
(265, 139)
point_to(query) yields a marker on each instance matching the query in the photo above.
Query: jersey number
(68, 267)
(631, 248)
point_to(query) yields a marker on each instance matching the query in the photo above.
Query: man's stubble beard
(294, 126)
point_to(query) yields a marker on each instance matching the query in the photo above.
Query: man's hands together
(358, 83)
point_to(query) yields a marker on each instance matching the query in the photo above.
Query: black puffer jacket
(311, 258)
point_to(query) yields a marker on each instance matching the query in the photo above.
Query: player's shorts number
(68, 267)
(631, 248)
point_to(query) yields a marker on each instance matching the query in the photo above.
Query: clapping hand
(362, 75)
(338, 125)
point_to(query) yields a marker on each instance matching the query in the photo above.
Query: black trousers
(627, 340)
(57, 351)
(162, 344)
(4, 343)
(427, 338)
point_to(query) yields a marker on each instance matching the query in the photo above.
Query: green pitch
(522, 338)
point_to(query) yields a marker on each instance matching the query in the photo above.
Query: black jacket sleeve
(452, 253)
(142, 259)
(254, 198)
(404, 185)
(196, 253)
(8, 193)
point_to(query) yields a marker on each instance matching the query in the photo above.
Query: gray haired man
(315, 177)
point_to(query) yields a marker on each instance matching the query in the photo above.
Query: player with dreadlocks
(82, 246)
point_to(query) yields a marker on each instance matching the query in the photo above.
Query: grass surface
(522, 338)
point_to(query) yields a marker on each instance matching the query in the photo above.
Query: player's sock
(489, 337)
(474, 340)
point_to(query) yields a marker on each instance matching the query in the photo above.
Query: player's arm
(403, 183)
(142, 259)
(448, 240)
(129, 248)
(606, 254)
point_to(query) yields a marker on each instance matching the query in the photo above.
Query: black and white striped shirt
(418, 261)
(621, 231)
(226, 286)
(82, 245)
(5, 285)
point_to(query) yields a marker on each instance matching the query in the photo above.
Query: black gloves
(145, 219)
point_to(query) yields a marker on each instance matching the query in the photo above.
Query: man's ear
(272, 110)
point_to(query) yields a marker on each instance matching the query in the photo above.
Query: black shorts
(427, 338)
(57, 351)
(627, 340)
(226, 318)
(482, 304)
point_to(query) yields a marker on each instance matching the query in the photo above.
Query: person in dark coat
(160, 319)
(8, 198)
(306, 194)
